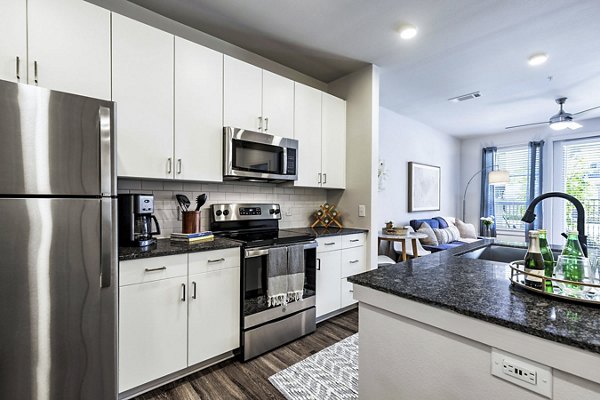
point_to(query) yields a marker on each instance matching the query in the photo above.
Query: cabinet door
(152, 331)
(242, 95)
(333, 141)
(143, 89)
(13, 40)
(278, 105)
(307, 130)
(328, 282)
(198, 112)
(70, 42)
(347, 296)
(214, 314)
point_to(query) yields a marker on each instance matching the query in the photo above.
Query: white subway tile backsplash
(303, 202)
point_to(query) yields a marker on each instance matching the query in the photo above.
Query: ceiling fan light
(574, 125)
(560, 125)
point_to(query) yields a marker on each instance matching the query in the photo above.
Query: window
(510, 200)
(578, 170)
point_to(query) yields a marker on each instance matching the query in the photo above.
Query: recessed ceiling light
(537, 59)
(407, 31)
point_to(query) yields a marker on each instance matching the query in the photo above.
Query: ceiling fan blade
(520, 126)
(589, 109)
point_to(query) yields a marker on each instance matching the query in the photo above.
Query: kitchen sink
(499, 253)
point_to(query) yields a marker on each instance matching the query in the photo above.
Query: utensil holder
(190, 221)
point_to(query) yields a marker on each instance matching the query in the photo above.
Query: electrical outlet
(288, 212)
(362, 210)
(522, 372)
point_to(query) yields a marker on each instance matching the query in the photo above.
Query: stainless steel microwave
(258, 156)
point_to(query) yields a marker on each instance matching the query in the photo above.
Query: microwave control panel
(291, 162)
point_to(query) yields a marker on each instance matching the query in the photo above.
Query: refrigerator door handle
(107, 167)
(108, 242)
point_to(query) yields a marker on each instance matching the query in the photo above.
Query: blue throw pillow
(442, 222)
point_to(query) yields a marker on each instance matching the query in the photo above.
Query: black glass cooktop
(266, 237)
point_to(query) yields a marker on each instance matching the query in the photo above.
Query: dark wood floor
(232, 379)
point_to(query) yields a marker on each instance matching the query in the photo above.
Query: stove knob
(272, 211)
(218, 213)
(277, 211)
(226, 212)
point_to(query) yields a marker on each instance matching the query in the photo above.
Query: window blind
(510, 201)
(581, 178)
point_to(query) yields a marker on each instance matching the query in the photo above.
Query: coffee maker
(135, 220)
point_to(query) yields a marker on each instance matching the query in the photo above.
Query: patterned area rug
(331, 373)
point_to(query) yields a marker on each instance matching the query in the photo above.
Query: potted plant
(487, 224)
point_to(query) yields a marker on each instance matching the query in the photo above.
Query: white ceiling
(462, 46)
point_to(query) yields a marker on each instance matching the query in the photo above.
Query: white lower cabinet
(152, 320)
(338, 257)
(214, 319)
(175, 312)
(328, 281)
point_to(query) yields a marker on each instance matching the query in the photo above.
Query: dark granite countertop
(164, 247)
(481, 289)
(321, 232)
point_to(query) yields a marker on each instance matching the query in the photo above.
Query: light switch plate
(362, 210)
(522, 372)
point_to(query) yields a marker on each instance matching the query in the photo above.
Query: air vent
(465, 97)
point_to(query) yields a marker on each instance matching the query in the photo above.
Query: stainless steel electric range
(266, 326)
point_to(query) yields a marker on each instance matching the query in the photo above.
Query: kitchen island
(428, 328)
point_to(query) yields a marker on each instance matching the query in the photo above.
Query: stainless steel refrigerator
(58, 253)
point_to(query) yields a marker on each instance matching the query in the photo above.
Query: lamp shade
(498, 177)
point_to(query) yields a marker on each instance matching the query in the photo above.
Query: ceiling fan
(559, 121)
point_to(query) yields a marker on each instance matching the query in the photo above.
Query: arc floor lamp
(495, 177)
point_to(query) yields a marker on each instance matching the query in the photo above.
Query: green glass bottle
(548, 259)
(572, 253)
(534, 263)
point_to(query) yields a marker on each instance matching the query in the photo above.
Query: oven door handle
(251, 253)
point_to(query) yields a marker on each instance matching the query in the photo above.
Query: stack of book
(192, 238)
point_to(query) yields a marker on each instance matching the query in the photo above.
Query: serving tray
(579, 292)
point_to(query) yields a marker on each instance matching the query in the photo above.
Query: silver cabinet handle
(194, 291)
(260, 123)
(329, 243)
(318, 264)
(155, 269)
(353, 261)
(354, 240)
(319, 178)
(266, 124)
(324, 178)
(183, 292)
(35, 72)
(179, 165)
(169, 165)
(18, 68)
(217, 260)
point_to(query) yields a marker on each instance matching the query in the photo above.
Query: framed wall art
(424, 187)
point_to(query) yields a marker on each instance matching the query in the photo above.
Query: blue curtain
(534, 183)
(488, 160)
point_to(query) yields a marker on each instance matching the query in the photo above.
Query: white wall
(471, 162)
(401, 140)
(361, 91)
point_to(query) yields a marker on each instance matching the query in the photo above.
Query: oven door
(254, 286)
(255, 155)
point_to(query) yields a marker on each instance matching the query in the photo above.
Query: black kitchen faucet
(530, 215)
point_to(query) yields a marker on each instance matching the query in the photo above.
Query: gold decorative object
(326, 216)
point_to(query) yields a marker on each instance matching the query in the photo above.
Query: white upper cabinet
(257, 100)
(198, 112)
(307, 130)
(69, 46)
(13, 40)
(333, 141)
(143, 89)
(242, 91)
(278, 105)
